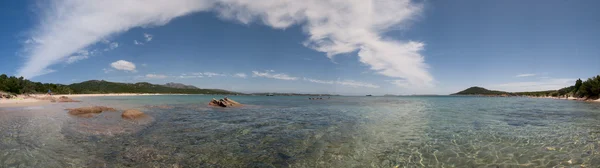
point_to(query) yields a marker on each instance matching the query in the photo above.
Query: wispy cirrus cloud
(240, 75)
(333, 27)
(78, 56)
(137, 42)
(148, 37)
(319, 81)
(273, 75)
(525, 75)
(112, 46)
(156, 76)
(350, 83)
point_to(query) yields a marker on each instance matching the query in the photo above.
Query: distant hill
(180, 86)
(101, 86)
(480, 91)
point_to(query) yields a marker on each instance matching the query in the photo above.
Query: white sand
(22, 102)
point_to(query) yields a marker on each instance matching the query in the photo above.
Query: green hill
(480, 91)
(14, 85)
(101, 86)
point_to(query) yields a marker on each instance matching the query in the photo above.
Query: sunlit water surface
(278, 131)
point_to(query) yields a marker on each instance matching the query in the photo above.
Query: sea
(294, 131)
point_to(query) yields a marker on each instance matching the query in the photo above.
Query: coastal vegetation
(21, 85)
(588, 89)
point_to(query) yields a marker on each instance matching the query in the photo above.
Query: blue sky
(353, 47)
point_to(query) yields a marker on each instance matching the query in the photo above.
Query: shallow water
(443, 131)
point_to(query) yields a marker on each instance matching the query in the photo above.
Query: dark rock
(225, 102)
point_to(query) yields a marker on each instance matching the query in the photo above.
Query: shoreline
(22, 102)
(42, 99)
(115, 94)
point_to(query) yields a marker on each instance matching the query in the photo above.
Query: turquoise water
(442, 131)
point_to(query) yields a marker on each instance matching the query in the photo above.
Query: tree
(578, 84)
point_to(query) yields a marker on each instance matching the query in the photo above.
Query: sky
(349, 47)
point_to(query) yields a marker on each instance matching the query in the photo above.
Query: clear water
(281, 131)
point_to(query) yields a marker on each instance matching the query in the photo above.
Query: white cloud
(79, 55)
(350, 83)
(189, 76)
(211, 74)
(106, 70)
(540, 85)
(75, 58)
(318, 81)
(271, 74)
(240, 75)
(333, 27)
(137, 42)
(123, 65)
(155, 76)
(206, 74)
(148, 37)
(112, 46)
(525, 75)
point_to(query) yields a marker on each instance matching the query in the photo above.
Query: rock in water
(225, 102)
(66, 99)
(132, 114)
(89, 111)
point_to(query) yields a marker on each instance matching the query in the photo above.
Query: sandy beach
(22, 102)
(35, 100)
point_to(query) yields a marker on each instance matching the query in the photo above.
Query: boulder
(225, 102)
(66, 99)
(132, 114)
(89, 111)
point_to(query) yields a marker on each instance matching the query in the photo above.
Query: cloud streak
(350, 83)
(271, 74)
(525, 75)
(156, 76)
(333, 27)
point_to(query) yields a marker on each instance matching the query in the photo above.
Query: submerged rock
(89, 111)
(225, 102)
(132, 114)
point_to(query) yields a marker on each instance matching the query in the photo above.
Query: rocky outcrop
(132, 114)
(225, 102)
(65, 99)
(88, 112)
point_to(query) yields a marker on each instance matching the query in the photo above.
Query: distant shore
(114, 94)
(38, 99)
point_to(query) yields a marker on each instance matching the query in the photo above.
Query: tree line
(20, 85)
(589, 89)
